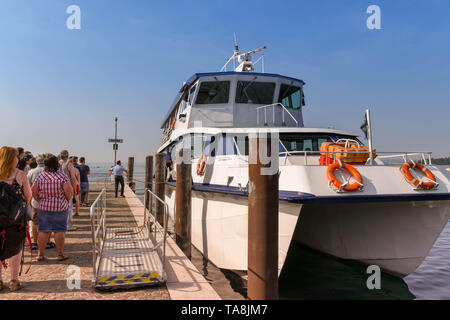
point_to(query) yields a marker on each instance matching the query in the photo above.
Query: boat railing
(405, 156)
(165, 135)
(273, 105)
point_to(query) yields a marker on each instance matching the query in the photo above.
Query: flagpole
(369, 135)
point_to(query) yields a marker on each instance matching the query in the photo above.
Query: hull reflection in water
(310, 274)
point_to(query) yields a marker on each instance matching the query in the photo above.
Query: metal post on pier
(131, 183)
(160, 186)
(148, 180)
(262, 223)
(183, 205)
(115, 141)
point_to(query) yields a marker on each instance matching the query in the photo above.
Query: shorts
(84, 187)
(52, 221)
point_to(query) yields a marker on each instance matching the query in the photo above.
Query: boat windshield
(291, 96)
(255, 92)
(213, 92)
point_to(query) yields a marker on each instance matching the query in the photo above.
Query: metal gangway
(127, 257)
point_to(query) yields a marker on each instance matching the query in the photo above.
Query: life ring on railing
(340, 186)
(201, 164)
(173, 123)
(418, 184)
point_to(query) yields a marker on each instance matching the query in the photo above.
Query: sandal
(15, 285)
(62, 257)
(50, 245)
(40, 258)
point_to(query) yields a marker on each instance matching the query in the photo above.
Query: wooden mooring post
(148, 180)
(183, 205)
(160, 181)
(262, 223)
(131, 183)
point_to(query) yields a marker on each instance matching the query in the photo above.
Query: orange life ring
(426, 185)
(357, 185)
(201, 165)
(173, 123)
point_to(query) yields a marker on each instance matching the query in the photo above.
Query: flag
(364, 126)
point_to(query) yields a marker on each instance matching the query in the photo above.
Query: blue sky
(62, 88)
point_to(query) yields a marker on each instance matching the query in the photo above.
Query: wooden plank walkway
(47, 280)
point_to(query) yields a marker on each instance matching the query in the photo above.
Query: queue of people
(44, 190)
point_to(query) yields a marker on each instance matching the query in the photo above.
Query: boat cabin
(237, 99)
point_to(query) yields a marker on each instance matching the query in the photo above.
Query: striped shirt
(51, 192)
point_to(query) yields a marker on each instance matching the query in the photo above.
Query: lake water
(309, 274)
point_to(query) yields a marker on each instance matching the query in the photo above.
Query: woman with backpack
(53, 191)
(15, 193)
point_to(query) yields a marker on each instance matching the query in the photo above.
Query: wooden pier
(53, 280)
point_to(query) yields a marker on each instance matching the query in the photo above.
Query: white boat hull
(396, 236)
(220, 227)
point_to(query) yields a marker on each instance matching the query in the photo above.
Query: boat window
(198, 144)
(191, 94)
(174, 148)
(183, 102)
(292, 142)
(220, 146)
(295, 142)
(255, 92)
(291, 97)
(243, 145)
(213, 92)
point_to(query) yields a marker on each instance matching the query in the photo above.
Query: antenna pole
(115, 138)
(369, 131)
(236, 50)
(263, 63)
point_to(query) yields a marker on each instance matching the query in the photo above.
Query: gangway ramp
(127, 257)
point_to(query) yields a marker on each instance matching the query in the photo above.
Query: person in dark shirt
(168, 159)
(84, 181)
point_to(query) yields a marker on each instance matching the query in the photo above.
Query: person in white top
(118, 171)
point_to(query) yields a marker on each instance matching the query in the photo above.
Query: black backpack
(13, 220)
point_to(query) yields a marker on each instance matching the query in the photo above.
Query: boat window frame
(302, 95)
(249, 83)
(200, 83)
(194, 88)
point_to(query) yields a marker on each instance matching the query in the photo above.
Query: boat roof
(196, 76)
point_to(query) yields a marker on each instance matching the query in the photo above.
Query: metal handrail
(162, 231)
(395, 154)
(97, 215)
(273, 105)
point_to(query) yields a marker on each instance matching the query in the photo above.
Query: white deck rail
(406, 156)
(273, 105)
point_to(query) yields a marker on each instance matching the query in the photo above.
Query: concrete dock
(53, 280)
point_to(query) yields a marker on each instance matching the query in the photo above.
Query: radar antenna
(244, 58)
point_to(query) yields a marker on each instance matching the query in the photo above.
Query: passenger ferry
(390, 217)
